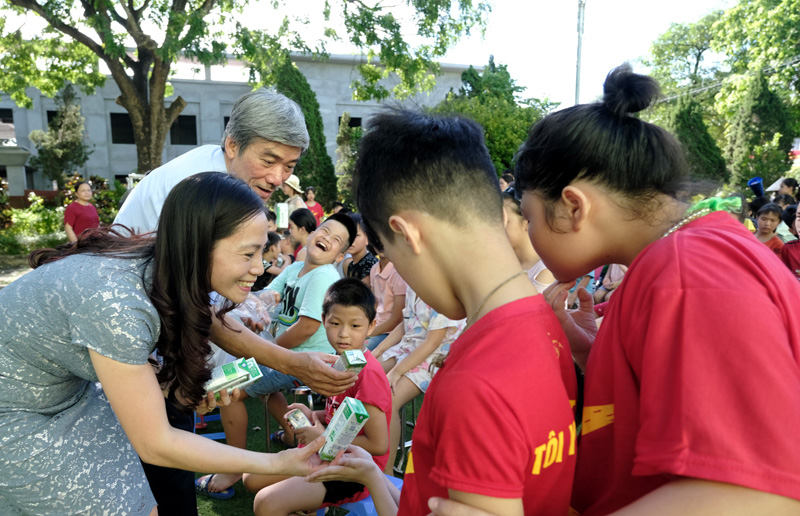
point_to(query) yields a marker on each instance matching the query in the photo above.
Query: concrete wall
(210, 101)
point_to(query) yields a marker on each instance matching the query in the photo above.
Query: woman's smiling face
(236, 259)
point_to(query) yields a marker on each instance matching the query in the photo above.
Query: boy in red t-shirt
(769, 216)
(790, 254)
(427, 189)
(348, 314)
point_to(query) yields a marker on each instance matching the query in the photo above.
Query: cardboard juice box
(351, 360)
(239, 373)
(297, 419)
(347, 421)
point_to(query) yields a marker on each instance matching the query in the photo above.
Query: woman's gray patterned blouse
(62, 450)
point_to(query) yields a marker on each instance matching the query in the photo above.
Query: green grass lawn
(242, 501)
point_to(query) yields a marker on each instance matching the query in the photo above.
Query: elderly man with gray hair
(263, 141)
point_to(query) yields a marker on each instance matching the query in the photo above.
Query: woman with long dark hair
(95, 311)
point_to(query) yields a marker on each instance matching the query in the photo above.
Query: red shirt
(81, 217)
(775, 244)
(317, 211)
(695, 371)
(790, 254)
(496, 419)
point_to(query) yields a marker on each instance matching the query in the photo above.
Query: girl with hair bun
(690, 390)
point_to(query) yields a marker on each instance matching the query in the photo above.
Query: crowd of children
(480, 292)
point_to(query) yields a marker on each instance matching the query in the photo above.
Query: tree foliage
(315, 168)
(61, 148)
(346, 153)
(704, 157)
(759, 136)
(491, 98)
(80, 34)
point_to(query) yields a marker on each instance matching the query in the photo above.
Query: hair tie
(729, 204)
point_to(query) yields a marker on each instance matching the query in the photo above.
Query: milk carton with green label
(345, 424)
(239, 373)
(351, 360)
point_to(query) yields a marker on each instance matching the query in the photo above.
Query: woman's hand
(351, 465)
(299, 462)
(308, 434)
(579, 325)
(210, 402)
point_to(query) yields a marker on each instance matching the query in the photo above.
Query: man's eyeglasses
(514, 194)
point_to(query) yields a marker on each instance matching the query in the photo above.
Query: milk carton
(345, 424)
(297, 419)
(351, 360)
(239, 373)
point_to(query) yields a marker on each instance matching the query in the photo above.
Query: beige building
(209, 93)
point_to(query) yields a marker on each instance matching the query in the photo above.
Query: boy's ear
(407, 229)
(577, 206)
(505, 216)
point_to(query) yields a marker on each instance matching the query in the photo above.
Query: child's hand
(309, 433)
(304, 409)
(351, 465)
(253, 325)
(393, 377)
(298, 462)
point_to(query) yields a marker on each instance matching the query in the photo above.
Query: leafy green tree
(763, 35)
(315, 168)
(759, 136)
(61, 148)
(491, 98)
(79, 35)
(704, 157)
(346, 152)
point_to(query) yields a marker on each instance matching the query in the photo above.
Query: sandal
(278, 438)
(201, 486)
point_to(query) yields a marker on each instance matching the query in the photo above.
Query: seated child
(360, 262)
(288, 249)
(611, 280)
(301, 224)
(300, 289)
(769, 216)
(390, 291)
(348, 313)
(517, 231)
(269, 255)
(410, 355)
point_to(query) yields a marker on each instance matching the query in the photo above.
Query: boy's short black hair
(271, 215)
(273, 239)
(433, 164)
(789, 215)
(770, 208)
(350, 292)
(347, 222)
(786, 199)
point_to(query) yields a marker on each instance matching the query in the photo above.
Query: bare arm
(298, 333)
(504, 506)
(132, 390)
(432, 341)
(376, 432)
(391, 340)
(70, 232)
(395, 318)
(313, 369)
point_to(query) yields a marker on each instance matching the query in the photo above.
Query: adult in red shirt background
(80, 214)
(314, 206)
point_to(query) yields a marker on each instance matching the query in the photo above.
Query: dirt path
(11, 268)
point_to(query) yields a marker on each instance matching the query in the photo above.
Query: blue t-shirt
(303, 297)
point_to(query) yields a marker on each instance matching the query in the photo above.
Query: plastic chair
(200, 423)
(405, 444)
(365, 507)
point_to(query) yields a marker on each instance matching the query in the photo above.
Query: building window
(184, 130)
(50, 116)
(354, 122)
(121, 128)
(6, 116)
